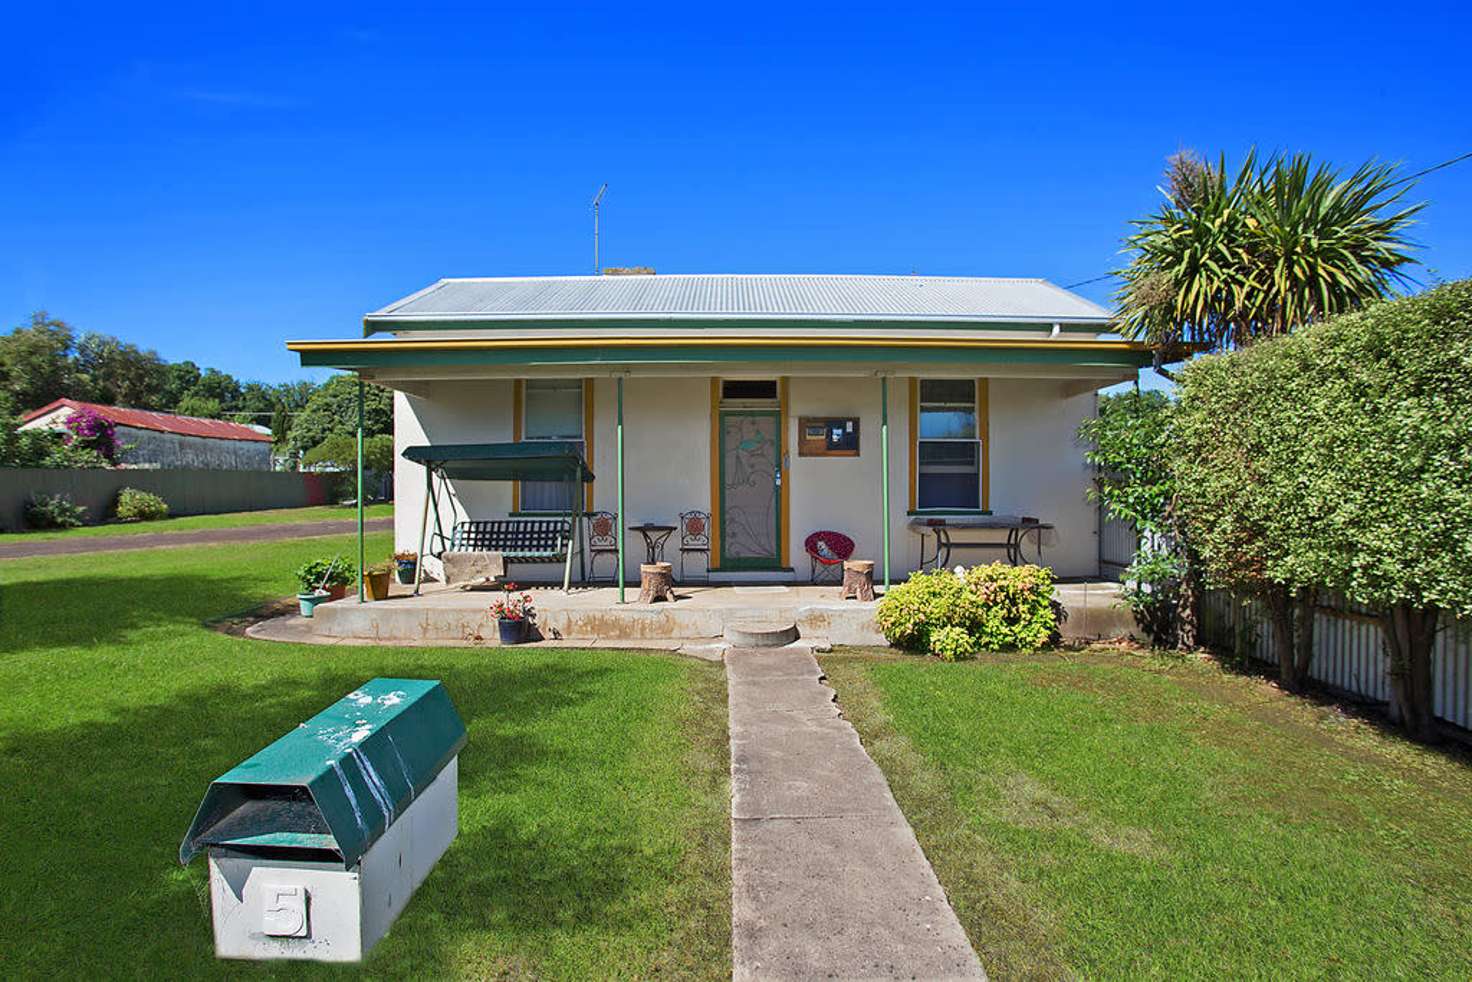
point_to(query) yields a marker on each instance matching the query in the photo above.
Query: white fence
(1349, 650)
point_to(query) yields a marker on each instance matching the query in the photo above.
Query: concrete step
(760, 634)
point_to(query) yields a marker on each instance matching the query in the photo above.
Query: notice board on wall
(828, 436)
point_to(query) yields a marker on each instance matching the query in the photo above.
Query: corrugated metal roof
(745, 297)
(147, 419)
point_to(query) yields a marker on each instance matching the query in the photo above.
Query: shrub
(998, 607)
(89, 429)
(923, 603)
(53, 511)
(140, 506)
(952, 644)
(1016, 606)
(323, 572)
(1152, 591)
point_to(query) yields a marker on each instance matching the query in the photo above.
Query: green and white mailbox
(317, 842)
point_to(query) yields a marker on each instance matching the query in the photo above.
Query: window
(948, 449)
(738, 389)
(552, 409)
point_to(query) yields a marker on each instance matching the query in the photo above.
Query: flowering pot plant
(406, 563)
(513, 613)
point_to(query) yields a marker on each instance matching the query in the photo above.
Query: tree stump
(858, 579)
(656, 582)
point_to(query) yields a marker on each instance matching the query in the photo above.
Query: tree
(1338, 458)
(119, 374)
(180, 377)
(340, 451)
(1233, 257)
(36, 362)
(1129, 443)
(199, 405)
(1239, 488)
(217, 387)
(333, 408)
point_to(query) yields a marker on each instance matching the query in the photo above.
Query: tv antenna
(596, 199)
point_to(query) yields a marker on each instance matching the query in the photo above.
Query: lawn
(234, 519)
(1103, 814)
(594, 794)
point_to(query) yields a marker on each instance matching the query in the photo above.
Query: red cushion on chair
(839, 544)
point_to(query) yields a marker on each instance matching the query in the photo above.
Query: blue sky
(212, 184)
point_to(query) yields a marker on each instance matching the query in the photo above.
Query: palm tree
(1232, 258)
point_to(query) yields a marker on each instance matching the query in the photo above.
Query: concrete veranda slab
(828, 880)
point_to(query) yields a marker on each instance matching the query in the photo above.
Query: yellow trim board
(715, 474)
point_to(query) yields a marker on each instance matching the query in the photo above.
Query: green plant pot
(309, 601)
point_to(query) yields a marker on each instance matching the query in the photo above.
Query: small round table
(654, 538)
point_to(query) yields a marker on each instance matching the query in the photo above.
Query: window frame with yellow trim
(966, 427)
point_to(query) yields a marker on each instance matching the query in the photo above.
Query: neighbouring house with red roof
(164, 440)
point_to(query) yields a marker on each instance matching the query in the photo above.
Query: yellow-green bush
(999, 607)
(134, 505)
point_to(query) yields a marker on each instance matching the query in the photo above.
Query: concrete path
(155, 540)
(827, 878)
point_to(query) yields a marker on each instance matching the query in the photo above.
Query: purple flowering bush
(88, 429)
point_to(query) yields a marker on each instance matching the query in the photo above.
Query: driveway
(156, 540)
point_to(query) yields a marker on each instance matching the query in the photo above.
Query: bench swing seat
(483, 547)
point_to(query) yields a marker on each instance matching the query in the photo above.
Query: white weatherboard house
(767, 401)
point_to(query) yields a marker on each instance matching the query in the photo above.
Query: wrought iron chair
(827, 550)
(694, 538)
(602, 541)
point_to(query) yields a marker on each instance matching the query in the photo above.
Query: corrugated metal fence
(1349, 650)
(1118, 542)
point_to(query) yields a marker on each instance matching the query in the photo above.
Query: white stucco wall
(470, 411)
(1038, 468)
(1037, 465)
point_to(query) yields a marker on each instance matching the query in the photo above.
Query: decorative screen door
(751, 477)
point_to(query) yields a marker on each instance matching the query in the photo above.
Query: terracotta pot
(337, 592)
(377, 584)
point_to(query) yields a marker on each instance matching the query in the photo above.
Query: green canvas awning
(524, 460)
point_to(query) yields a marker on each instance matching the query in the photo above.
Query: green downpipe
(361, 555)
(884, 466)
(619, 443)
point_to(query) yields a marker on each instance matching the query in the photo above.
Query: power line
(1096, 279)
(1404, 180)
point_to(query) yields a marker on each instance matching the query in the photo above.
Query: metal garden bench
(527, 540)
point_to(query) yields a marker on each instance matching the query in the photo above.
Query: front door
(751, 476)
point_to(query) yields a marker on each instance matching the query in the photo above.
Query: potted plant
(332, 575)
(513, 614)
(375, 578)
(406, 563)
(311, 579)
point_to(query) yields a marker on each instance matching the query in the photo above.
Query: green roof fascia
(386, 357)
(377, 325)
